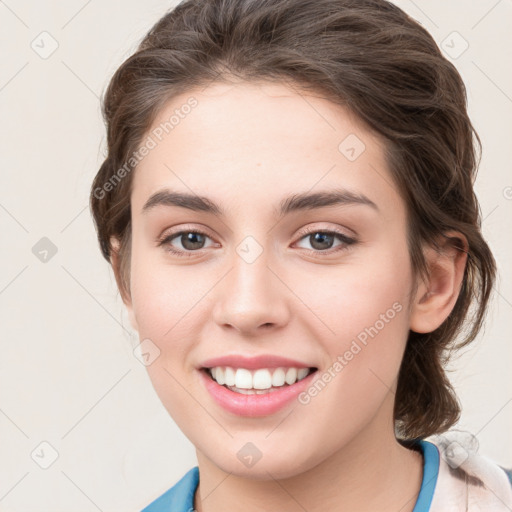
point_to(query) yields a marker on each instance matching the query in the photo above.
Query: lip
(253, 405)
(254, 362)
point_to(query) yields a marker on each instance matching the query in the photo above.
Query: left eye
(320, 239)
(192, 241)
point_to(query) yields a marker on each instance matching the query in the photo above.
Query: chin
(268, 463)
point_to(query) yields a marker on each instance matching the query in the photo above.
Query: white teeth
(278, 377)
(243, 379)
(261, 379)
(229, 376)
(219, 376)
(291, 375)
(252, 391)
(302, 372)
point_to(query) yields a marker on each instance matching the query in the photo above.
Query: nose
(251, 298)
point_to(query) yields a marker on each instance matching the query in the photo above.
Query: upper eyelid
(185, 229)
(340, 231)
(301, 234)
(203, 230)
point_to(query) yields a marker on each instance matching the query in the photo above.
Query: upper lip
(254, 362)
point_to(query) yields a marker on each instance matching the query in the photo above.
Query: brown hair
(367, 55)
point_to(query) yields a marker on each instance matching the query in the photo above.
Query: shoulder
(468, 480)
(180, 497)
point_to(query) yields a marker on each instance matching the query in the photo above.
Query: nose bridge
(250, 296)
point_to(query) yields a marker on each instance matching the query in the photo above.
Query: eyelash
(346, 242)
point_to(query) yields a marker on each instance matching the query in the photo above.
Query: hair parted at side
(368, 56)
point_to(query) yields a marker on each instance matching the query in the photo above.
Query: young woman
(287, 203)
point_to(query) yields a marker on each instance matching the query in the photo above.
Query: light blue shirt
(180, 497)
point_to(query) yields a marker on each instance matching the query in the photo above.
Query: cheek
(368, 320)
(164, 296)
(348, 300)
(166, 302)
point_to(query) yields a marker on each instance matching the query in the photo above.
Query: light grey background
(68, 376)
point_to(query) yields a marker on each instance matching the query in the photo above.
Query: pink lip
(252, 363)
(254, 405)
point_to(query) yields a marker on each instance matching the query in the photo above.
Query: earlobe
(437, 294)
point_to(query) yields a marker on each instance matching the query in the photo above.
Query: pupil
(322, 239)
(189, 240)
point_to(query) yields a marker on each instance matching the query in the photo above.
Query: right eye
(191, 240)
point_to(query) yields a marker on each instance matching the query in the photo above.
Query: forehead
(259, 142)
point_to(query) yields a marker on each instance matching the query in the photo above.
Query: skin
(246, 147)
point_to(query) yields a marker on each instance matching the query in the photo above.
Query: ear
(125, 294)
(436, 295)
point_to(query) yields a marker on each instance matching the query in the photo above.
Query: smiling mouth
(257, 382)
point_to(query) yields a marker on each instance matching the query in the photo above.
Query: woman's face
(264, 279)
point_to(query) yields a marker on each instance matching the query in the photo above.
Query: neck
(372, 472)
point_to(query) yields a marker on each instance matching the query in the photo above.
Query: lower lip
(254, 405)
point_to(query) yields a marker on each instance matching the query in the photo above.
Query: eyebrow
(295, 202)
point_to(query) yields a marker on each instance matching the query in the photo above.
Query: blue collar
(430, 472)
(180, 497)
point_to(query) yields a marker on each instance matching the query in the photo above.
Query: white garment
(464, 493)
